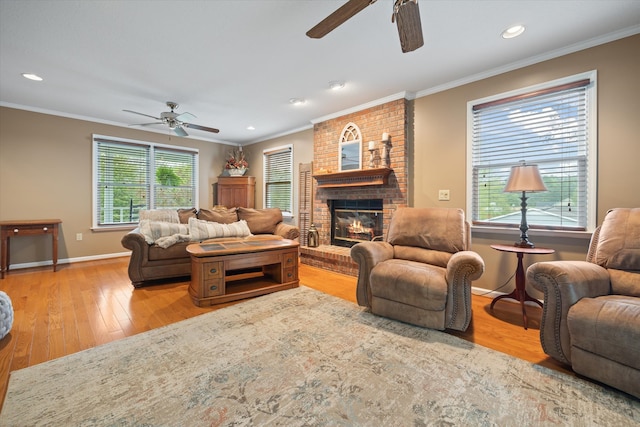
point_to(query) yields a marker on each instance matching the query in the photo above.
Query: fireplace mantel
(356, 178)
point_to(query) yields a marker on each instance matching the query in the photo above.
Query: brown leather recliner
(591, 316)
(422, 273)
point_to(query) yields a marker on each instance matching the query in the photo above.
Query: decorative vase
(237, 172)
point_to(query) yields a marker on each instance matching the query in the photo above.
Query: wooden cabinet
(236, 191)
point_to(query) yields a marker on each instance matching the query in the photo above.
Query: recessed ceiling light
(336, 85)
(513, 31)
(251, 127)
(297, 101)
(32, 76)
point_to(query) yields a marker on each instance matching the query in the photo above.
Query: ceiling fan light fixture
(297, 101)
(31, 76)
(336, 85)
(513, 31)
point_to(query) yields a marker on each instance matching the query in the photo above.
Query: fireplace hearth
(354, 221)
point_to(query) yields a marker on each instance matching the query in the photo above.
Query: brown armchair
(422, 273)
(591, 316)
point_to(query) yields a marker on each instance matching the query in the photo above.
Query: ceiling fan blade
(141, 114)
(341, 15)
(407, 16)
(185, 116)
(147, 124)
(179, 131)
(198, 127)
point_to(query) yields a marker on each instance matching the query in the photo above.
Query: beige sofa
(151, 261)
(591, 316)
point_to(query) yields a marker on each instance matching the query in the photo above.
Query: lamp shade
(524, 177)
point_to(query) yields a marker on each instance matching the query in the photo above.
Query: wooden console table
(520, 292)
(27, 228)
(233, 270)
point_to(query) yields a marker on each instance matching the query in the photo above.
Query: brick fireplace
(393, 118)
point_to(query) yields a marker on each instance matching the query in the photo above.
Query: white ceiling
(237, 63)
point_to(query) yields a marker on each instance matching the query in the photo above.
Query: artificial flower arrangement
(236, 159)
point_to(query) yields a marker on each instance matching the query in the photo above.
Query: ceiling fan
(405, 13)
(176, 122)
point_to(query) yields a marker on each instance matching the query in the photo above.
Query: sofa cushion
(608, 326)
(164, 215)
(261, 221)
(202, 230)
(185, 214)
(625, 282)
(619, 240)
(221, 215)
(440, 229)
(414, 283)
(153, 230)
(426, 256)
(173, 253)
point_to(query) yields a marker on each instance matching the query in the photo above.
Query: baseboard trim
(68, 260)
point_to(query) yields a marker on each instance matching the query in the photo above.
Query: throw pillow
(153, 230)
(221, 215)
(164, 215)
(185, 214)
(261, 221)
(202, 230)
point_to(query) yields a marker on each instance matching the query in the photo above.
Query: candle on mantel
(385, 136)
(372, 145)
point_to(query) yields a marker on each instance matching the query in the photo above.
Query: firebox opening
(354, 221)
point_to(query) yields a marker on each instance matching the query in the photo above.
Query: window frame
(350, 140)
(270, 151)
(592, 155)
(150, 172)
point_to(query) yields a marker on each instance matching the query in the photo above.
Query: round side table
(520, 292)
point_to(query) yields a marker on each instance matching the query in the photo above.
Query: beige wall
(45, 161)
(46, 172)
(440, 144)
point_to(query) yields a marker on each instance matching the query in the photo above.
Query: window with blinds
(552, 126)
(134, 175)
(278, 172)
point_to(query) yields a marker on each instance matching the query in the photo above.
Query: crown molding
(576, 47)
(374, 103)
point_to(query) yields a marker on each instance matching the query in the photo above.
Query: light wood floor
(92, 303)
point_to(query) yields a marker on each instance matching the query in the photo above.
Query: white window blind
(175, 179)
(278, 171)
(131, 175)
(549, 127)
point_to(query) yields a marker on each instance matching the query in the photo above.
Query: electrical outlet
(443, 194)
(79, 236)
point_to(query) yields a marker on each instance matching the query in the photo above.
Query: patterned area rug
(301, 357)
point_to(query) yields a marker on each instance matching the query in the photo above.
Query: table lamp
(524, 178)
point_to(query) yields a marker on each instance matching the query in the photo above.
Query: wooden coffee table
(231, 270)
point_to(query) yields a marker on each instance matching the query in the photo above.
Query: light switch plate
(443, 195)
